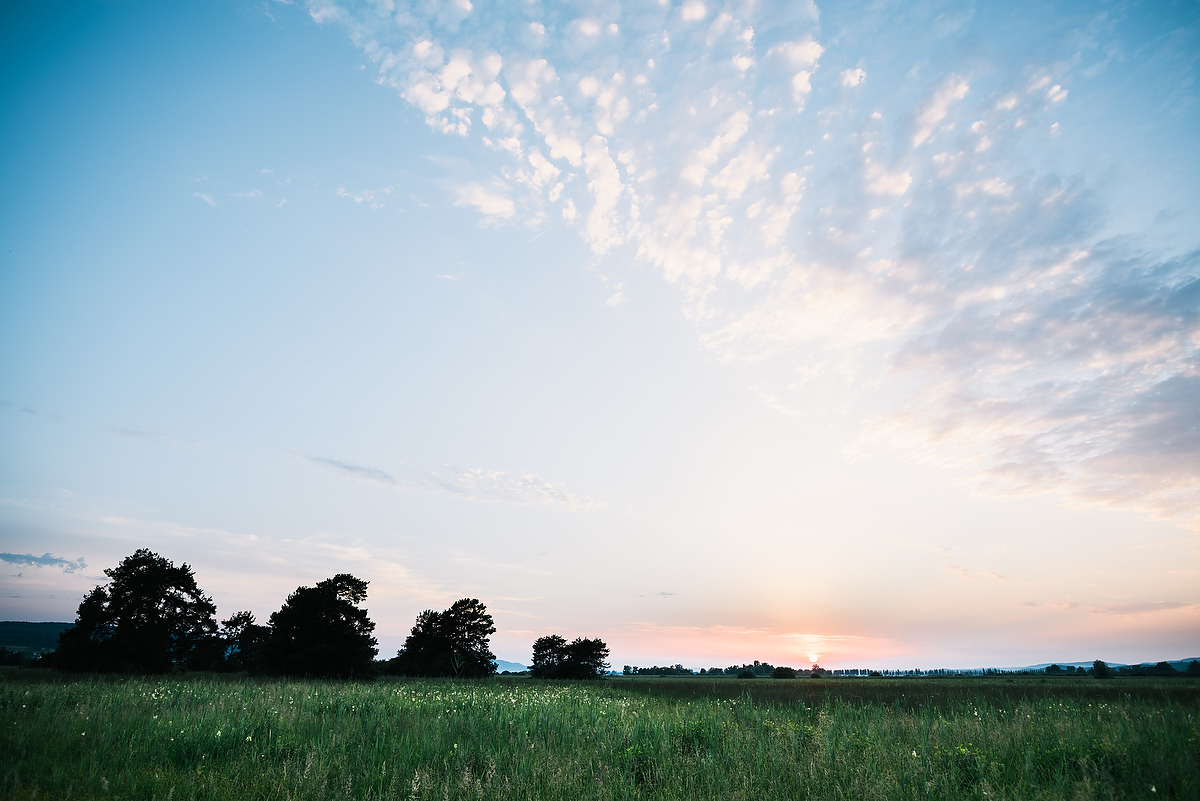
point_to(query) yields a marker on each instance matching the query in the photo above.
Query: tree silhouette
(320, 631)
(449, 643)
(549, 654)
(241, 639)
(555, 658)
(151, 618)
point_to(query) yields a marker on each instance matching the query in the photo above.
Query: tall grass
(212, 738)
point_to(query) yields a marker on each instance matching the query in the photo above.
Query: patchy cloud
(929, 263)
(45, 560)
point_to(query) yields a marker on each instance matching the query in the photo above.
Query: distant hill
(31, 637)
(1178, 664)
(511, 667)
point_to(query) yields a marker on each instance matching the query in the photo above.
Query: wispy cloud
(45, 560)
(153, 436)
(507, 486)
(207, 198)
(1124, 609)
(965, 572)
(372, 198)
(9, 406)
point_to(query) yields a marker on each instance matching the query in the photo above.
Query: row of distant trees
(746, 671)
(152, 617)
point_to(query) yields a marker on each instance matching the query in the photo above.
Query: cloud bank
(893, 231)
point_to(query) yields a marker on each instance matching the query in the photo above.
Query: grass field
(207, 737)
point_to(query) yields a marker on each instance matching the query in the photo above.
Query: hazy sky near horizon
(866, 333)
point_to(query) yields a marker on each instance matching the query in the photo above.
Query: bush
(746, 674)
(783, 673)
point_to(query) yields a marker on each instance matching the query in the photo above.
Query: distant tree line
(152, 617)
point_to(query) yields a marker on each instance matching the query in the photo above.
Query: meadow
(221, 737)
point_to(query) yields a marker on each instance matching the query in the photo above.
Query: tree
(783, 673)
(549, 654)
(449, 643)
(555, 658)
(241, 639)
(321, 631)
(1193, 669)
(151, 618)
(1100, 670)
(586, 659)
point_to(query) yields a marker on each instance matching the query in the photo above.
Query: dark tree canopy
(555, 658)
(320, 631)
(151, 618)
(549, 654)
(241, 639)
(454, 642)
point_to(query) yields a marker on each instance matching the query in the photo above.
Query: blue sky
(866, 333)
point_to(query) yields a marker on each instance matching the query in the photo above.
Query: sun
(813, 658)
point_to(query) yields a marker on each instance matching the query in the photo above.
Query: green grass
(221, 738)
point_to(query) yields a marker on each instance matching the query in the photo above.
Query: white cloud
(604, 185)
(373, 198)
(938, 106)
(802, 53)
(692, 10)
(493, 205)
(881, 182)
(853, 77)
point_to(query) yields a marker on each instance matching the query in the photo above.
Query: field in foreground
(226, 738)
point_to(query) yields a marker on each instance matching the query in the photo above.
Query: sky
(859, 333)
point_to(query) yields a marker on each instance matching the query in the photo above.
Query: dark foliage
(151, 618)
(655, 670)
(783, 673)
(1193, 669)
(31, 637)
(11, 658)
(549, 654)
(1100, 670)
(241, 640)
(758, 669)
(450, 643)
(555, 658)
(319, 631)
(746, 674)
